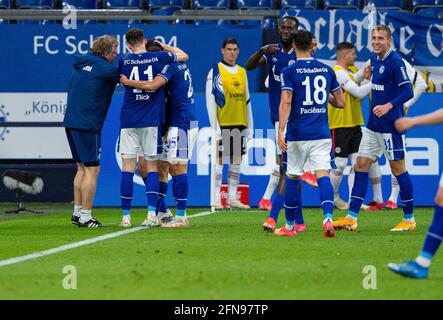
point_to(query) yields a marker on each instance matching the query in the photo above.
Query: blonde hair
(383, 27)
(104, 45)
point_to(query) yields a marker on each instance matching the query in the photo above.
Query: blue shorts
(85, 146)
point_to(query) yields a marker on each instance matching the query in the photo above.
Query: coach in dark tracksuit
(89, 96)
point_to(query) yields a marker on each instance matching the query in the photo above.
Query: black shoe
(75, 219)
(91, 223)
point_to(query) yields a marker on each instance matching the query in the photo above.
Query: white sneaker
(176, 223)
(340, 204)
(126, 223)
(151, 222)
(235, 204)
(165, 216)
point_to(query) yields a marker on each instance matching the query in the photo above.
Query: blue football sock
(326, 196)
(174, 191)
(406, 194)
(182, 187)
(277, 204)
(152, 190)
(435, 234)
(291, 199)
(358, 193)
(298, 211)
(126, 192)
(161, 203)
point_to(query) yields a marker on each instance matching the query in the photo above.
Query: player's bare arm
(284, 109)
(337, 99)
(181, 55)
(143, 85)
(257, 59)
(406, 123)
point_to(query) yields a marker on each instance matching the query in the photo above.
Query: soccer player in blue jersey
(420, 266)
(181, 135)
(141, 118)
(89, 96)
(390, 88)
(277, 57)
(305, 89)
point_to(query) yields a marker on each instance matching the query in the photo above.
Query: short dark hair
(229, 41)
(291, 18)
(135, 36)
(152, 45)
(344, 46)
(303, 40)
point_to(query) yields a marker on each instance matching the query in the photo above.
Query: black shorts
(85, 146)
(233, 142)
(345, 141)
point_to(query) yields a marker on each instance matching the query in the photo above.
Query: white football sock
(233, 180)
(423, 262)
(375, 179)
(77, 210)
(85, 215)
(218, 181)
(395, 189)
(274, 178)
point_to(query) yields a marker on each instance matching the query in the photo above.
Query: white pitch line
(84, 243)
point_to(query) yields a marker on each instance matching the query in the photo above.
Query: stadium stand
(82, 4)
(254, 4)
(431, 12)
(177, 4)
(420, 4)
(210, 5)
(299, 4)
(123, 4)
(342, 4)
(35, 5)
(386, 4)
(4, 4)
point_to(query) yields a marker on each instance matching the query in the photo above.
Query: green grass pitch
(225, 255)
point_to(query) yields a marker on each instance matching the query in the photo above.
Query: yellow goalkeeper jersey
(351, 115)
(233, 113)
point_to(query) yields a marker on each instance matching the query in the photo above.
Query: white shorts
(135, 142)
(179, 144)
(374, 144)
(441, 181)
(276, 137)
(316, 152)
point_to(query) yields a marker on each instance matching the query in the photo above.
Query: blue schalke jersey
(143, 108)
(389, 78)
(277, 62)
(310, 82)
(180, 93)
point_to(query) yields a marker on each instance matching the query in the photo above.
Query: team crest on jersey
(291, 62)
(236, 84)
(382, 69)
(337, 150)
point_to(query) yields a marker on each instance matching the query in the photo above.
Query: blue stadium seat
(254, 4)
(4, 4)
(431, 12)
(122, 4)
(81, 4)
(417, 4)
(166, 3)
(31, 4)
(299, 4)
(165, 11)
(35, 5)
(351, 4)
(205, 4)
(386, 4)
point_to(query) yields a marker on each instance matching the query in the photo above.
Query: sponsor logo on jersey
(378, 87)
